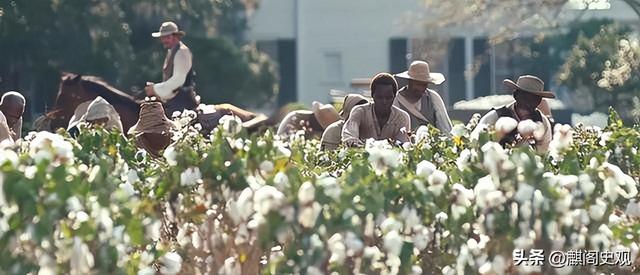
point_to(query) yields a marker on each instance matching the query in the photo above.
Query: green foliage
(433, 206)
(604, 68)
(111, 39)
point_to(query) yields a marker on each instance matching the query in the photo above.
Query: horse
(75, 89)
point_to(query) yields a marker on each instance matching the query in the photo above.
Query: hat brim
(435, 78)
(512, 86)
(159, 34)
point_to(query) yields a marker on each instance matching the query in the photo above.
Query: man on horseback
(177, 91)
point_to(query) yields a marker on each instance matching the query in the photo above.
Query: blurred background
(263, 54)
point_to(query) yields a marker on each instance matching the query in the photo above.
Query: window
(333, 67)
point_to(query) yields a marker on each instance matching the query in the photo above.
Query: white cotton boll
(330, 186)
(611, 189)
(306, 193)
(231, 124)
(586, 185)
(266, 166)
(540, 131)
(457, 211)
(505, 125)
(410, 217)
(421, 237)
(422, 134)
(524, 193)
(416, 270)
(625, 184)
(190, 177)
(74, 204)
(526, 128)
(281, 181)
(441, 217)
(597, 210)
(463, 195)
(309, 214)
(482, 188)
(9, 156)
(373, 253)
(81, 257)
(393, 243)
(231, 266)
(437, 178)
(353, 243)
(181, 237)
(633, 209)
(153, 230)
(424, 169)
(267, 198)
(390, 224)
(47, 265)
(171, 263)
(337, 249)
(462, 162)
(459, 130)
(604, 138)
(170, 155)
(127, 189)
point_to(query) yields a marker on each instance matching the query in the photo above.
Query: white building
(323, 45)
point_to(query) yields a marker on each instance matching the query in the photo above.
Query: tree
(605, 69)
(111, 39)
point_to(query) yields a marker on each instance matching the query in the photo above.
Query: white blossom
(171, 263)
(266, 166)
(231, 124)
(424, 169)
(281, 181)
(170, 155)
(337, 249)
(422, 134)
(597, 210)
(306, 193)
(353, 244)
(267, 198)
(459, 130)
(393, 243)
(382, 156)
(330, 186)
(190, 177)
(81, 257)
(617, 183)
(309, 214)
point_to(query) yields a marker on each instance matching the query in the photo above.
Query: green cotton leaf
(405, 256)
(135, 229)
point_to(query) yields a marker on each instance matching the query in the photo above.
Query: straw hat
(419, 71)
(350, 101)
(152, 120)
(324, 113)
(168, 28)
(530, 84)
(97, 109)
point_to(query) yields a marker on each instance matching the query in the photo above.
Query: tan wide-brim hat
(168, 28)
(530, 84)
(324, 113)
(152, 120)
(350, 101)
(419, 71)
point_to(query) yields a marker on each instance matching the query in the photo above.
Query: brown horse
(75, 89)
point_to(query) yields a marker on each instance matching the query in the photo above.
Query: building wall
(336, 40)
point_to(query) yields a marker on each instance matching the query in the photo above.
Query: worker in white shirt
(177, 89)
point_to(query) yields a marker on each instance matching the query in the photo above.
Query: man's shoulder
(399, 112)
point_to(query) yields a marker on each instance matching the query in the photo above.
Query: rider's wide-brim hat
(419, 71)
(168, 28)
(530, 84)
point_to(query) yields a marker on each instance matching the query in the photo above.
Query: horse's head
(71, 92)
